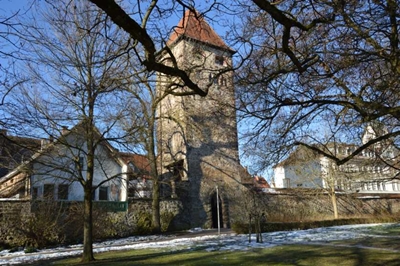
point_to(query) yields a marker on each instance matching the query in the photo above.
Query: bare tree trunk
(156, 221)
(156, 224)
(88, 184)
(258, 229)
(334, 203)
(249, 228)
(87, 226)
(256, 223)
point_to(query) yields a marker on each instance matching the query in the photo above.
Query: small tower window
(219, 60)
(221, 81)
(212, 78)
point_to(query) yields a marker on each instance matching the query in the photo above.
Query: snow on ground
(210, 241)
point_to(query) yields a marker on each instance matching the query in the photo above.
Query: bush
(143, 225)
(166, 219)
(44, 227)
(30, 250)
(15, 249)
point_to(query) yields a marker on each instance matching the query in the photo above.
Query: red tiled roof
(14, 150)
(194, 26)
(139, 161)
(260, 182)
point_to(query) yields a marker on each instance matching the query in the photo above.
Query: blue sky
(12, 6)
(9, 7)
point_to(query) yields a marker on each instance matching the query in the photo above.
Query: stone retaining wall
(173, 216)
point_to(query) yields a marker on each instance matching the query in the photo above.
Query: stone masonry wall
(174, 216)
(10, 212)
(115, 224)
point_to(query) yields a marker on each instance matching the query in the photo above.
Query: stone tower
(197, 136)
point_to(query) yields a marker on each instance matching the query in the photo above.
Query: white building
(371, 171)
(55, 171)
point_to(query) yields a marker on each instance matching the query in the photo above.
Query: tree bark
(249, 228)
(156, 218)
(87, 226)
(334, 203)
(156, 223)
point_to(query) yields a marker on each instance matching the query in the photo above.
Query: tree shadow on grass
(327, 255)
(296, 255)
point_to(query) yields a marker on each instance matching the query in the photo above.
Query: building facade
(374, 170)
(198, 135)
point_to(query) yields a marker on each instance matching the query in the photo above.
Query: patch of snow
(211, 242)
(197, 229)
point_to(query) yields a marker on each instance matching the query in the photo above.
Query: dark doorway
(214, 211)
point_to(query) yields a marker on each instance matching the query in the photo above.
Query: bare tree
(146, 35)
(317, 72)
(76, 63)
(140, 125)
(10, 47)
(174, 78)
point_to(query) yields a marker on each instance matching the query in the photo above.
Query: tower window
(219, 60)
(221, 81)
(212, 78)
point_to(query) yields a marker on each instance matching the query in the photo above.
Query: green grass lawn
(345, 253)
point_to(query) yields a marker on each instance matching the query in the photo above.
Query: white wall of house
(316, 174)
(58, 173)
(306, 175)
(141, 187)
(279, 176)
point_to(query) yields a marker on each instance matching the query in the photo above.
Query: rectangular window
(219, 60)
(103, 193)
(81, 161)
(364, 186)
(63, 192)
(35, 192)
(48, 191)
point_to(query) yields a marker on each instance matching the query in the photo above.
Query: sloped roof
(260, 182)
(141, 162)
(193, 26)
(38, 150)
(299, 155)
(15, 149)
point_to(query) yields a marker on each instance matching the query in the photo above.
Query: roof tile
(194, 26)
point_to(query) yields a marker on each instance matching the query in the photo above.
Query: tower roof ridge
(194, 26)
